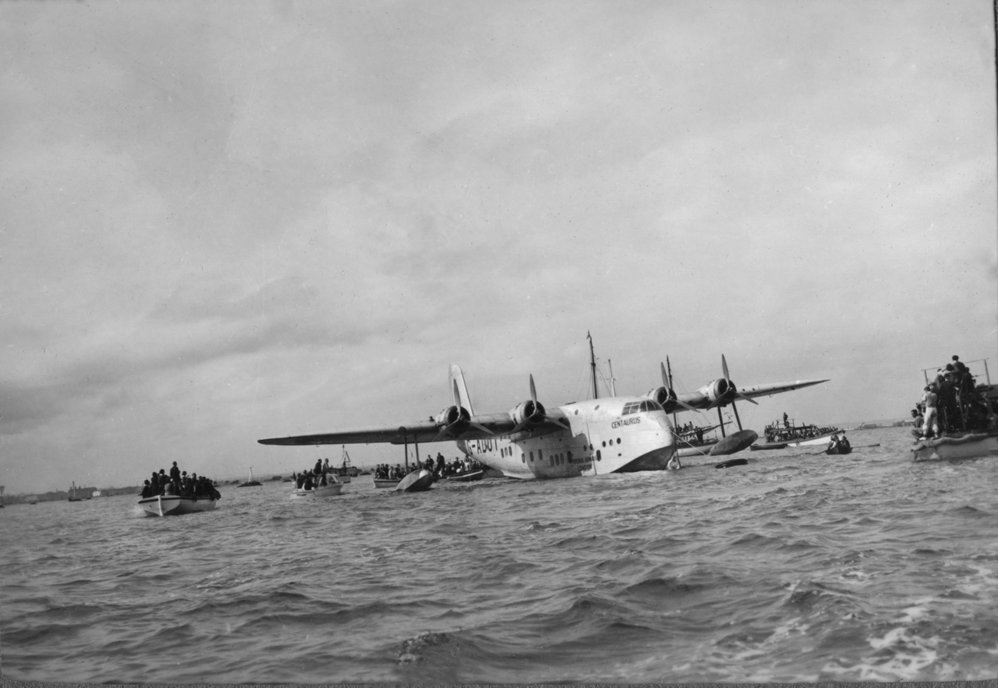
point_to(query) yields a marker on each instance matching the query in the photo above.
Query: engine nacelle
(721, 389)
(453, 418)
(528, 413)
(663, 396)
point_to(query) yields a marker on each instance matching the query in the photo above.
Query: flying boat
(615, 434)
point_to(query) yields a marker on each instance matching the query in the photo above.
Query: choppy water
(793, 568)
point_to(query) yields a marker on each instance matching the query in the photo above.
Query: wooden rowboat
(174, 505)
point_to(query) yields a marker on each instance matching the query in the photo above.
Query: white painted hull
(966, 447)
(601, 439)
(813, 441)
(318, 492)
(171, 505)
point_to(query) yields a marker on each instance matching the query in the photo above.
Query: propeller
(667, 381)
(471, 421)
(735, 394)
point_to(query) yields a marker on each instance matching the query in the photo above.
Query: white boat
(790, 434)
(966, 446)
(174, 505)
(331, 490)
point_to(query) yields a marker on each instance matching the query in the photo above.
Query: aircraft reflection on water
(616, 434)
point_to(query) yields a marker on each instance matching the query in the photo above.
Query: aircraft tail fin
(461, 389)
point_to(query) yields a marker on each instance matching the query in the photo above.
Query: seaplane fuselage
(607, 435)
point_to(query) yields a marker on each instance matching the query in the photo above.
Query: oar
(861, 446)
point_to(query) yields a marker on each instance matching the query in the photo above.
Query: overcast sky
(221, 221)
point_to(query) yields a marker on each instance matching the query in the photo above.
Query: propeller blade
(724, 368)
(533, 390)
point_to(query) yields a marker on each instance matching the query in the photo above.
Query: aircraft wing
(775, 388)
(722, 392)
(473, 428)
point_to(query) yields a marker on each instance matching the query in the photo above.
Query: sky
(222, 221)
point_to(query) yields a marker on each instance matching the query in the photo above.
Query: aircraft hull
(601, 438)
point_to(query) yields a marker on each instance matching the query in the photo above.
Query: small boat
(386, 482)
(345, 471)
(768, 445)
(78, 494)
(792, 435)
(964, 446)
(839, 448)
(174, 505)
(251, 482)
(466, 476)
(417, 481)
(731, 462)
(330, 490)
(979, 439)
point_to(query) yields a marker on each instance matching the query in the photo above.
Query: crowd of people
(317, 476)
(953, 403)
(179, 483)
(441, 468)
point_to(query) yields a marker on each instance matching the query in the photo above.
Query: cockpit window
(641, 406)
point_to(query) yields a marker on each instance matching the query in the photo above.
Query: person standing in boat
(930, 426)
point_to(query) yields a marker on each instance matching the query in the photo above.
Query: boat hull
(466, 477)
(385, 482)
(768, 446)
(968, 446)
(813, 441)
(172, 505)
(318, 492)
(417, 481)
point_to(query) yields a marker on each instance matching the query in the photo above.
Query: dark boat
(731, 462)
(417, 481)
(768, 445)
(466, 476)
(251, 482)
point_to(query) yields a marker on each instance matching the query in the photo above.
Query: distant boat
(173, 505)
(345, 470)
(768, 445)
(793, 435)
(78, 494)
(330, 490)
(250, 482)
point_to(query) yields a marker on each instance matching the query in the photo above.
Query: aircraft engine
(720, 389)
(453, 418)
(663, 395)
(528, 413)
